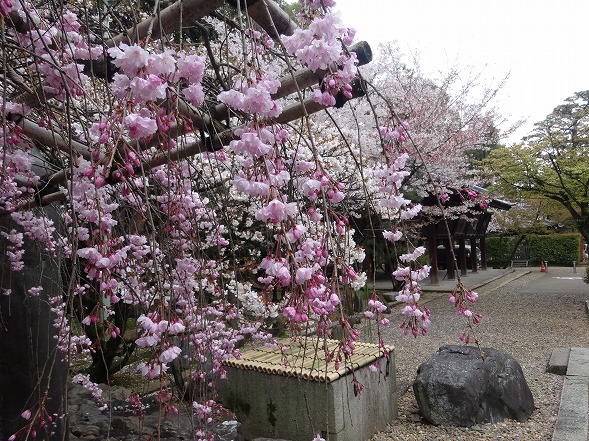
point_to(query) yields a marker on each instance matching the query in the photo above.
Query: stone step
(559, 361)
(572, 421)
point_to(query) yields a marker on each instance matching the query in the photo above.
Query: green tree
(553, 162)
(291, 8)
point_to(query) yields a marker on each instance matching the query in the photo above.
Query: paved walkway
(471, 280)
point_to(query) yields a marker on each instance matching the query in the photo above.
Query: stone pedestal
(294, 396)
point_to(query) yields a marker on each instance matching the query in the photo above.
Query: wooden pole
(167, 21)
(473, 255)
(462, 254)
(483, 253)
(432, 249)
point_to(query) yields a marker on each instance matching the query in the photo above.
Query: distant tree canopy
(551, 163)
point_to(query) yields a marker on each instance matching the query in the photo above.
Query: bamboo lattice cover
(299, 359)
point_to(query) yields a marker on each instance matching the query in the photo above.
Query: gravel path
(527, 326)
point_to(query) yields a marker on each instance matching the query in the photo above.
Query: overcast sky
(542, 45)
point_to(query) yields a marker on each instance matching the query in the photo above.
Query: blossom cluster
(417, 317)
(462, 298)
(156, 332)
(97, 393)
(319, 47)
(61, 47)
(38, 423)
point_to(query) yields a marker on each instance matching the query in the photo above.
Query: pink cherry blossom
(147, 341)
(170, 354)
(249, 143)
(392, 236)
(303, 275)
(150, 88)
(131, 59)
(162, 64)
(408, 257)
(194, 94)
(276, 211)
(140, 125)
(191, 67)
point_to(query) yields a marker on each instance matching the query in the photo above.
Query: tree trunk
(31, 367)
(514, 250)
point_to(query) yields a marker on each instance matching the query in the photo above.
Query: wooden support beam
(167, 21)
(268, 15)
(51, 138)
(303, 78)
(309, 106)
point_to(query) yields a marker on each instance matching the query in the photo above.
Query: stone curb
(511, 279)
(428, 296)
(572, 420)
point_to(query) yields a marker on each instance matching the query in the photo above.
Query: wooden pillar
(450, 263)
(462, 255)
(483, 253)
(432, 250)
(473, 255)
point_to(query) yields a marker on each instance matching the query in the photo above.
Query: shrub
(499, 250)
(558, 249)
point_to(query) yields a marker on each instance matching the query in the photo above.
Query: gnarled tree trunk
(31, 367)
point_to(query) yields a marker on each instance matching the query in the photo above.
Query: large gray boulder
(456, 387)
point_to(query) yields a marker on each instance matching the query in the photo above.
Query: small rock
(118, 424)
(414, 409)
(268, 439)
(84, 430)
(227, 431)
(414, 418)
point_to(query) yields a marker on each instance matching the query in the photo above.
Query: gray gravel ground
(527, 326)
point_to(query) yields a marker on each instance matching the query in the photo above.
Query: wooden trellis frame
(266, 13)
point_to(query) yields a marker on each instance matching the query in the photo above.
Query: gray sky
(542, 45)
